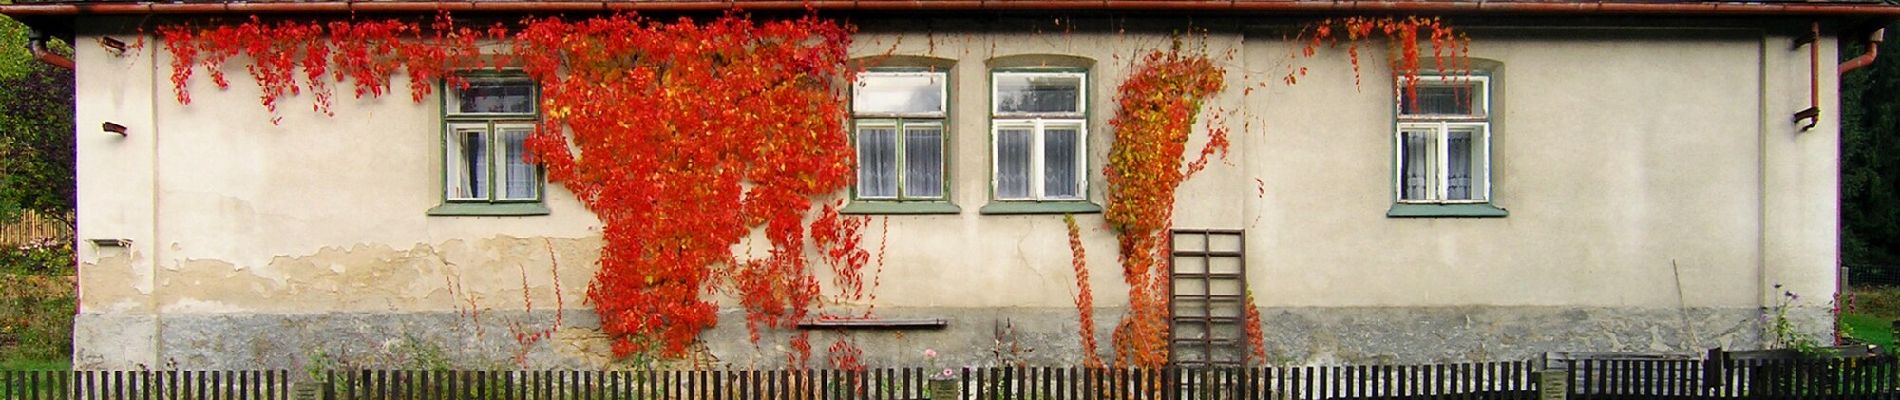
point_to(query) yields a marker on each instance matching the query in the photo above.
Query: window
(1207, 301)
(1039, 136)
(486, 126)
(1443, 147)
(899, 134)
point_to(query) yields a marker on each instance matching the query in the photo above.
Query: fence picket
(1795, 379)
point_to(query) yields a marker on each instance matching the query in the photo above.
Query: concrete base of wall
(973, 337)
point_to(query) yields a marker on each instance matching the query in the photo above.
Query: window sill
(488, 209)
(1040, 207)
(1449, 210)
(894, 207)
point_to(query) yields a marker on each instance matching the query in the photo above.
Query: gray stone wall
(973, 337)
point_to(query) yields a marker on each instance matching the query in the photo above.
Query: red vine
(1085, 297)
(690, 135)
(1402, 45)
(685, 137)
(1159, 102)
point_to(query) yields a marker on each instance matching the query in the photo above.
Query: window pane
(898, 93)
(1415, 171)
(521, 183)
(923, 161)
(467, 165)
(1059, 163)
(1038, 93)
(1442, 99)
(877, 162)
(1013, 149)
(1464, 165)
(495, 95)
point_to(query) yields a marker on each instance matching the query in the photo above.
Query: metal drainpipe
(36, 43)
(1873, 51)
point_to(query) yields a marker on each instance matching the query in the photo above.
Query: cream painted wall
(1616, 154)
(1617, 158)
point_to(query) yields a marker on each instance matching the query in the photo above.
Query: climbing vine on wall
(683, 137)
(1451, 49)
(1159, 102)
(1085, 297)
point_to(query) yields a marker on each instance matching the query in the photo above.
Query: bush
(39, 257)
(36, 319)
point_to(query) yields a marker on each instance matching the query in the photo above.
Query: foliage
(1868, 329)
(36, 319)
(690, 135)
(36, 144)
(1788, 334)
(1159, 102)
(14, 58)
(1450, 48)
(683, 137)
(1085, 297)
(1870, 174)
(365, 52)
(45, 257)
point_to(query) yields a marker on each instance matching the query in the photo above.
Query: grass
(1869, 329)
(36, 322)
(1869, 315)
(36, 365)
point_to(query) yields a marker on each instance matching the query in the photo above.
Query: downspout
(1873, 51)
(36, 43)
(1840, 272)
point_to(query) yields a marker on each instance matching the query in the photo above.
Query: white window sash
(996, 158)
(451, 105)
(903, 158)
(1081, 98)
(498, 168)
(943, 95)
(857, 147)
(1481, 92)
(452, 160)
(1440, 127)
(1440, 133)
(1037, 162)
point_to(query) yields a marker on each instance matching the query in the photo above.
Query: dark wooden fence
(1855, 378)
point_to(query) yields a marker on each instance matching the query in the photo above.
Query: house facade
(1608, 177)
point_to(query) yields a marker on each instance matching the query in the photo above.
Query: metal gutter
(1336, 6)
(36, 44)
(1873, 51)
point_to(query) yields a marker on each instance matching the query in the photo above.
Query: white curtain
(1013, 149)
(467, 164)
(923, 162)
(1458, 166)
(1059, 163)
(877, 162)
(520, 183)
(1417, 171)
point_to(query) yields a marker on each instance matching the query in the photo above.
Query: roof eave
(1251, 6)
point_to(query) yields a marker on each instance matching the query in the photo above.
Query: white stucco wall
(1646, 170)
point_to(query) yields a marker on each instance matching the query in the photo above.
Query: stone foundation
(973, 337)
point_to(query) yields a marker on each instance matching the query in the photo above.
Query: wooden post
(1553, 384)
(943, 389)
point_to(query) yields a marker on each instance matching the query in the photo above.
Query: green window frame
(891, 138)
(478, 176)
(1036, 130)
(1441, 141)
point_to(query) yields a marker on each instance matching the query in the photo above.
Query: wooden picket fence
(1845, 378)
(33, 227)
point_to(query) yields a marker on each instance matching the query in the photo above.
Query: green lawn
(1869, 328)
(36, 365)
(36, 322)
